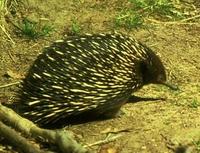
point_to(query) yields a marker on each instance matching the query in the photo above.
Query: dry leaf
(14, 75)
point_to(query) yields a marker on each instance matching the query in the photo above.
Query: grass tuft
(33, 30)
(134, 16)
(194, 104)
(129, 20)
(197, 145)
(75, 27)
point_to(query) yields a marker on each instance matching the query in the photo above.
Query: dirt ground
(152, 125)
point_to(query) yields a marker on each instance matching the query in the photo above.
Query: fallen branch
(63, 139)
(16, 140)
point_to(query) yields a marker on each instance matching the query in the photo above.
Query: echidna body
(89, 73)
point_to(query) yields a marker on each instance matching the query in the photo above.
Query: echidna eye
(160, 78)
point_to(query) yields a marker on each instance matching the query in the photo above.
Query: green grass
(75, 27)
(197, 145)
(139, 10)
(129, 20)
(194, 103)
(33, 30)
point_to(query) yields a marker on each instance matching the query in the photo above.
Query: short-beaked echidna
(87, 74)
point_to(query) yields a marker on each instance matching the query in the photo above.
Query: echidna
(87, 74)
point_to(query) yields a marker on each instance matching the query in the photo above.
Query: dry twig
(181, 22)
(108, 139)
(10, 84)
(7, 34)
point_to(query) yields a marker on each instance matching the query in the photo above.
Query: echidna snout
(153, 70)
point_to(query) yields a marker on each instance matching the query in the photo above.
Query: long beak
(171, 86)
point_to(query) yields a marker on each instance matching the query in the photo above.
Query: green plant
(46, 30)
(33, 29)
(129, 20)
(134, 16)
(194, 104)
(197, 145)
(75, 27)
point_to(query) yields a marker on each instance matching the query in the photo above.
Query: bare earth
(152, 125)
